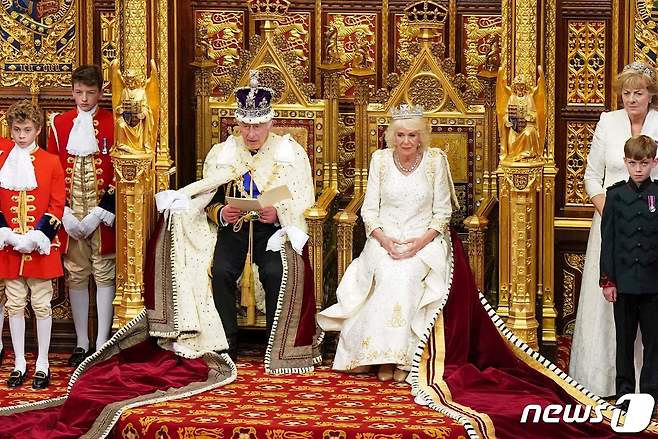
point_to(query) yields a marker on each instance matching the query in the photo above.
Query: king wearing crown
(271, 238)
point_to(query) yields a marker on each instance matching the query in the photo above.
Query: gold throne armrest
(345, 221)
(316, 218)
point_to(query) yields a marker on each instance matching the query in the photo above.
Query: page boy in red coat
(5, 146)
(82, 138)
(31, 205)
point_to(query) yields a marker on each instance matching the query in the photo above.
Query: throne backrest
(458, 140)
(304, 124)
(456, 127)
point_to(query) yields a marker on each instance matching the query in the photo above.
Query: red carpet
(60, 373)
(323, 404)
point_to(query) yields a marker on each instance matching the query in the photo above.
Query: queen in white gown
(390, 293)
(592, 361)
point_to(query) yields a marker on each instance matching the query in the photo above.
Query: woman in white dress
(390, 293)
(593, 349)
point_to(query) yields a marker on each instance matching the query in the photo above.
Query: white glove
(175, 201)
(40, 239)
(296, 236)
(106, 216)
(7, 237)
(25, 244)
(13, 239)
(71, 224)
(89, 224)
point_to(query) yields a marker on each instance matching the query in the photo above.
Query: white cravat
(17, 174)
(82, 140)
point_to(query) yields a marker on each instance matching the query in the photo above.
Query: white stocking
(17, 329)
(80, 308)
(104, 298)
(44, 327)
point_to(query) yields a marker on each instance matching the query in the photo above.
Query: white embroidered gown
(384, 305)
(592, 360)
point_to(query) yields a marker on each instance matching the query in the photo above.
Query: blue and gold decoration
(38, 37)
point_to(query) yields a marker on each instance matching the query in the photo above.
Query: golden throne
(458, 125)
(296, 113)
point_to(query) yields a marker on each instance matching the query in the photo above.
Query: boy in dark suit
(629, 263)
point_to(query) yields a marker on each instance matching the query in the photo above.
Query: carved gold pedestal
(520, 185)
(345, 222)
(134, 207)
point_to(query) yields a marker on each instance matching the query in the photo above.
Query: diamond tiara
(640, 67)
(406, 111)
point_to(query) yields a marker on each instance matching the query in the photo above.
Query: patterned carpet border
(323, 404)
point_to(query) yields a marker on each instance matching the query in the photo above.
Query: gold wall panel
(356, 34)
(586, 83)
(481, 36)
(405, 38)
(645, 41)
(219, 34)
(38, 45)
(455, 145)
(294, 32)
(525, 45)
(579, 138)
(109, 44)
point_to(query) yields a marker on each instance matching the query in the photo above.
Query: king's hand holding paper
(263, 205)
(231, 214)
(268, 215)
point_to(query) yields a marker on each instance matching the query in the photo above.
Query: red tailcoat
(5, 146)
(57, 141)
(47, 199)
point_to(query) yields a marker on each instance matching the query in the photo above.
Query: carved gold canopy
(295, 112)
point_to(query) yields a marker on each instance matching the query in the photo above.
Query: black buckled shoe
(16, 378)
(77, 357)
(41, 380)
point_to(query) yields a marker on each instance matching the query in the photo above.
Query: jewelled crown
(254, 102)
(406, 111)
(641, 67)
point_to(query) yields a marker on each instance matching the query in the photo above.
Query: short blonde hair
(631, 78)
(24, 110)
(413, 124)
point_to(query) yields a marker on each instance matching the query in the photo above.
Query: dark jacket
(629, 238)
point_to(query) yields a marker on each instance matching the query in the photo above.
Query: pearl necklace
(413, 167)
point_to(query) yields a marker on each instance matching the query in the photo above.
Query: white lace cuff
(176, 201)
(296, 236)
(105, 216)
(40, 239)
